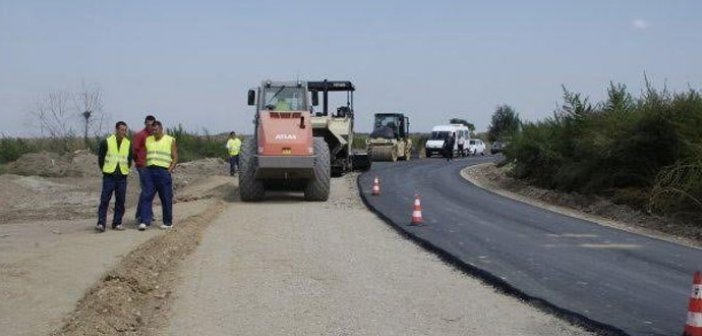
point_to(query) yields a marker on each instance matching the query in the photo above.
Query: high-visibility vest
(234, 145)
(282, 105)
(158, 152)
(116, 155)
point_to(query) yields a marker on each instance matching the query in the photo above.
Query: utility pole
(86, 115)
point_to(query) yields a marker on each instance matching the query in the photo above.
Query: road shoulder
(484, 176)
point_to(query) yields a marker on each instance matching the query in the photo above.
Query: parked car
(497, 147)
(476, 146)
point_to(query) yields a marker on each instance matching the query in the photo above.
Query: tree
(54, 115)
(60, 114)
(505, 123)
(465, 123)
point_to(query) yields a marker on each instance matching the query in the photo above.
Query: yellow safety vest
(116, 155)
(282, 105)
(234, 146)
(158, 152)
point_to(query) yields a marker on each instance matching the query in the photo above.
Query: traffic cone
(417, 212)
(376, 187)
(693, 327)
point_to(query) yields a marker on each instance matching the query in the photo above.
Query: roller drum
(384, 153)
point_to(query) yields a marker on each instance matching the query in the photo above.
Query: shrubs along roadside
(644, 151)
(191, 146)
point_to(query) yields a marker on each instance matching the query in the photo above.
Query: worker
(461, 144)
(449, 143)
(139, 152)
(114, 159)
(161, 159)
(233, 148)
(282, 105)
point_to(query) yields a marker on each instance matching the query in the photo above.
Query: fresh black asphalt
(628, 283)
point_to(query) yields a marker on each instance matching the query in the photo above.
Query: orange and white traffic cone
(417, 212)
(376, 187)
(693, 327)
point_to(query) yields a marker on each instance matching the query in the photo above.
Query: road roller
(390, 139)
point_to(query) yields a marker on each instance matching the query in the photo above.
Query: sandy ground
(47, 266)
(50, 254)
(288, 267)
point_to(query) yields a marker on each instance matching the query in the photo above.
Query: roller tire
(250, 188)
(317, 189)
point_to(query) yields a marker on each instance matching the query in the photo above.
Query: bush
(12, 149)
(192, 146)
(624, 147)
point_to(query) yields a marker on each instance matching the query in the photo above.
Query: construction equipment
(390, 140)
(283, 153)
(336, 128)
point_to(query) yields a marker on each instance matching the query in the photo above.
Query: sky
(192, 62)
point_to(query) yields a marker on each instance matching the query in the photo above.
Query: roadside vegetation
(191, 146)
(194, 146)
(643, 151)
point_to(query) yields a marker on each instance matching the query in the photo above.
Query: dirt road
(50, 255)
(287, 267)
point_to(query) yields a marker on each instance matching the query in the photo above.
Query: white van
(435, 143)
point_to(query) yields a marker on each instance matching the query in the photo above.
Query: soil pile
(194, 171)
(80, 163)
(134, 296)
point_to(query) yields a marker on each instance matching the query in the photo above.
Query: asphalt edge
(491, 280)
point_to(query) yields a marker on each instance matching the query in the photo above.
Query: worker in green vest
(282, 104)
(115, 160)
(161, 159)
(233, 148)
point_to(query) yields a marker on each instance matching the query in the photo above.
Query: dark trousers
(144, 179)
(116, 184)
(233, 164)
(448, 153)
(159, 181)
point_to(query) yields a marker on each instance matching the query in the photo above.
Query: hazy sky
(192, 62)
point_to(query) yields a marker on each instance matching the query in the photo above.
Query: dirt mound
(194, 171)
(80, 163)
(134, 297)
(207, 166)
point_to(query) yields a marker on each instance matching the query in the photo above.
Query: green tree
(505, 122)
(465, 123)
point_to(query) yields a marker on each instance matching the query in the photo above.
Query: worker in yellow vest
(161, 159)
(115, 160)
(233, 148)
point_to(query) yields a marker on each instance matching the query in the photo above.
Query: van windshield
(439, 135)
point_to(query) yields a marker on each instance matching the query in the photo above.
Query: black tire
(250, 189)
(317, 188)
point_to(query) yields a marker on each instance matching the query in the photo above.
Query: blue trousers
(116, 184)
(233, 164)
(144, 179)
(159, 181)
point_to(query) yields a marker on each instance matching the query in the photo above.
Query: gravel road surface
(289, 267)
